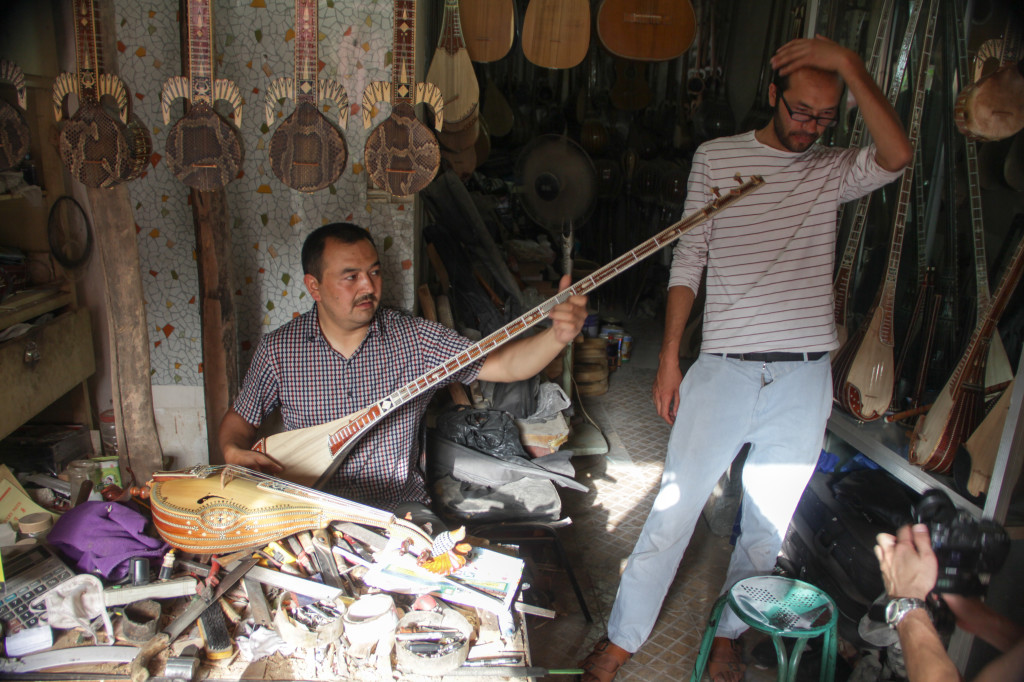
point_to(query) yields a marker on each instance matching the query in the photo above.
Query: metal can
(625, 347)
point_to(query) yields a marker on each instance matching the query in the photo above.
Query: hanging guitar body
(651, 31)
(489, 27)
(556, 33)
(203, 150)
(863, 373)
(94, 148)
(14, 133)
(402, 155)
(307, 152)
(223, 509)
(992, 108)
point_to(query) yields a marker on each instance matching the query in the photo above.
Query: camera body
(968, 550)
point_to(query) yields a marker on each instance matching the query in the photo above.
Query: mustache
(368, 298)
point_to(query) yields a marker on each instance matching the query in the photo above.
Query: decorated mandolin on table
(14, 134)
(402, 155)
(646, 30)
(312, 455)
(203, 150)
(307, 152)
(93, 144)
(227, 508)
(863, 370)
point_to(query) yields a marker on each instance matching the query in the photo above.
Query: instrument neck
(200, 51)
(307, 63)
(87, 50)
(403, 67)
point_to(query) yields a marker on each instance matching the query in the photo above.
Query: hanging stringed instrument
(957, 410)
(402, 155)
(992, 107)
(203, 150)
(14, 133)
(863, 371)
(997, 365)
(451, 70)
(312, 455)
(307, 152)
(92, 143)
(489, 27)
(556, 33)
(228, 508)
(646, 30)
(841, 282)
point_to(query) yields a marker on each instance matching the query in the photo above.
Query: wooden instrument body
(203, 150)
(983, 444)
(315, 453)
(401, 154)
(556, 33)
(489, 27)
(865, 390)
(223, 509)
(451, 69)
(307, 152)
(652, 30)
(14, 132)
(992, 108)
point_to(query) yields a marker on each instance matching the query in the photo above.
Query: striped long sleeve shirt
(770, 257)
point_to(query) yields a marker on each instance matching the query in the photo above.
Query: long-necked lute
(14, 133)
(863, 371)
(307, 152)
(312, 455)
(223, 509)
(958, 409)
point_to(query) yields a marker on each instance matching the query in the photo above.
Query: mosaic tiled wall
(253, 45)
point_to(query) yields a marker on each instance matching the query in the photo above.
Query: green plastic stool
(780, 607)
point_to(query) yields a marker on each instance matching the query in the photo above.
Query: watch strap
(897, 609)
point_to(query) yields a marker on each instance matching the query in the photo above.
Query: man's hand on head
(817, 53)
(568, 318)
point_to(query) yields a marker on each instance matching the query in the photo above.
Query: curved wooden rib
(431, 95)
(377, 91)
(175, 87)
(221, 509)
(64, 85)
(109, 84)
(12, 73)
(227, 90)
(333, 91)
(282, 88)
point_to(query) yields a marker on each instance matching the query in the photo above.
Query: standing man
(348, 352)
(763, 375)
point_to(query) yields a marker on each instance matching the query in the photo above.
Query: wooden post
(216, 309)
(138, 447)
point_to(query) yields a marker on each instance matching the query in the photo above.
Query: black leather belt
(776, 356)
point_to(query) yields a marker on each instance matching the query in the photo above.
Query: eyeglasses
(804, 117)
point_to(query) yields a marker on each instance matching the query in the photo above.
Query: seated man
(347, 353)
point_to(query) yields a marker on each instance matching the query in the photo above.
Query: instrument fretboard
(200, 51)
(307, 63)
(403, 78)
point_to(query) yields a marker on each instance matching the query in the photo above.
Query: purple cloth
(100, 538)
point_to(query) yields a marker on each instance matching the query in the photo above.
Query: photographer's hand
(909, 567)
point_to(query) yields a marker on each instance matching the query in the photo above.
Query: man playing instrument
(348, 352)
(763, 375)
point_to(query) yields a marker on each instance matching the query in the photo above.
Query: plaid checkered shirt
(295, 368)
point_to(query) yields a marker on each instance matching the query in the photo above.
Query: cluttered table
(351, 594)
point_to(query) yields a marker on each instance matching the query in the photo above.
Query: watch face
(892, 610)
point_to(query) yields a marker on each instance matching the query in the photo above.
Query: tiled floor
(606, 522)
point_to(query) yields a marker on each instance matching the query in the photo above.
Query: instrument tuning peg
(718, 194)
(738, 178)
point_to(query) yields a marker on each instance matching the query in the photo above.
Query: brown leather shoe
(604, 661)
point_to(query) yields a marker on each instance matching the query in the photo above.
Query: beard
(794, 141)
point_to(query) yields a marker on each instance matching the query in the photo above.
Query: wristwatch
(897, 609)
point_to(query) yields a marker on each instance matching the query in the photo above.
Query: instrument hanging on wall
(556, 33)
(957, 410)
(14, 133)
(983, 445)
(402, 155)
(992, 107)
(841, 283)
(92, 143)
(863, 371)
(203, 150)
(489, 27)
(646, 30)
(228, 508)
(451, 69)
(312, 455)
(307, 152)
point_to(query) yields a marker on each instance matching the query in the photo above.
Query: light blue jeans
(781, 409)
